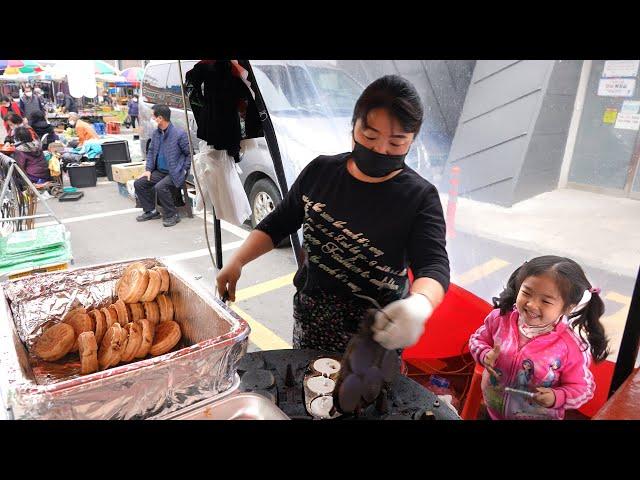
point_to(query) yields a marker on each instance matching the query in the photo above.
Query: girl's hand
(490, 360)
(545, 397)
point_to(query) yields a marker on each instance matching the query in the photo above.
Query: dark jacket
(28, 106)
(43, 128)
(133, 108)
(30, 158)
(69, 104)
(219, 110)
(176, 152)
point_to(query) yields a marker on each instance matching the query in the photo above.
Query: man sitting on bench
(168, 161)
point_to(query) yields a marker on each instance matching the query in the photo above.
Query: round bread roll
(153, 287)
(81, 322)
(100, 324)
(134, 332)
(110, 350)
(148, 332)
(110, 316)
(88, 349)
(123, 312)
(133, 283)
(166, 307)
(55, 342)
(166, 279)
(137, 311)
(152, 312)
(167, 336)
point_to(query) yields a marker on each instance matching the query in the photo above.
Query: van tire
(266, 192)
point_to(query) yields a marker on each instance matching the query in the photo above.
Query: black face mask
(376, 164)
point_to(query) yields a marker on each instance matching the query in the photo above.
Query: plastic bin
(100, 128)
(114, 152)
(83, 175)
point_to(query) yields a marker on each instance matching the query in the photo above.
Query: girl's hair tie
(595, 290)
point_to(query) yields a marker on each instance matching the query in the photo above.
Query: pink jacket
(558, 360)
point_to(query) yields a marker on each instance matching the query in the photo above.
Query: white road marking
(92, 216)
(203, 252)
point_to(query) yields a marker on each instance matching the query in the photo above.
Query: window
(174, 92)
(314, 90)
(154, 83)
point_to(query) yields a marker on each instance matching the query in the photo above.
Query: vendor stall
(195, 377)
(199, 369)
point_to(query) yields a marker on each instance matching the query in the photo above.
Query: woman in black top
(43, 128)
(366, 219)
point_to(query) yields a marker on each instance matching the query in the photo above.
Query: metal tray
(239, 406)
(214, 339)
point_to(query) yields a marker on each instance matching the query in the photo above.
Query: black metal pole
(218, 234)
(630, 342)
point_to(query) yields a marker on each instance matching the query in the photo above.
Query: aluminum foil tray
(203, 366)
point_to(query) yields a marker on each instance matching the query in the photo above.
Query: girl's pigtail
(507, 298)
(587, 322)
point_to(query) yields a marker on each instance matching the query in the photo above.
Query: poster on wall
(620, 68)
(610, 115)
(616, 87)
(628, 121)
(630, 106)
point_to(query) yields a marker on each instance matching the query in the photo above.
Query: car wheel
(264, 198)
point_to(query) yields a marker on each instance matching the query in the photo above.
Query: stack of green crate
(36, 248)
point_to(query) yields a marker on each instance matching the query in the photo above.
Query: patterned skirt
(325, 321)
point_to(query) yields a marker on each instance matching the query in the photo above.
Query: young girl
(536, 346)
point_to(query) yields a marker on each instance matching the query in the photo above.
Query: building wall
(510, 139)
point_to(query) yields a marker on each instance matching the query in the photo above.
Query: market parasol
(16, 67)
(103, 68)
(110, 78)
(133, 74)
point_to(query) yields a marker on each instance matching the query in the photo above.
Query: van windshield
(307, 89)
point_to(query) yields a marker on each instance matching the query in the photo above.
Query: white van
(310, 104)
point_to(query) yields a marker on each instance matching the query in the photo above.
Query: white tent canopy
(80, 76)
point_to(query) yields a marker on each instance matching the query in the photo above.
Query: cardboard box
(123, 172)
(127, 190)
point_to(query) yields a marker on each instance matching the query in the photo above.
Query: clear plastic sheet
(530, 157)
(214, 339)
(311, 104)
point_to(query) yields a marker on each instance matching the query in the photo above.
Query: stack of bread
(138, 324)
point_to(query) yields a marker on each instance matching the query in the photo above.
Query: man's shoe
(148, 216)
(171, 221)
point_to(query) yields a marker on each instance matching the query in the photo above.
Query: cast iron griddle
(266, 373)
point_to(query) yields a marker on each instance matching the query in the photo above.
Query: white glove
(401, 323)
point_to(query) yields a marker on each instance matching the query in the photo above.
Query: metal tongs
(225, 297)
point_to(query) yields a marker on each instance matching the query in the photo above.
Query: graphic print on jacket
(557, 360)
